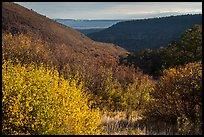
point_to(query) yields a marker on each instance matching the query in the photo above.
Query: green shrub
(108, 93)
(37, 101)
(137, 94)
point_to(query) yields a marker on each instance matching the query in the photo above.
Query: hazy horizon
(128, 19)
(112, 10)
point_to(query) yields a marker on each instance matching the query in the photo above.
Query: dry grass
(118, 116)
(116, 124)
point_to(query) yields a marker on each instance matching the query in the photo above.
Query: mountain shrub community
(84, 87)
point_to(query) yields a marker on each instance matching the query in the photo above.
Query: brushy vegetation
(105, 88)
(45, 92)
(37, 101)
(177, 98)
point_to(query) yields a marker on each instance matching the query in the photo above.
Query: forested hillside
(153, 62)
(151, 33)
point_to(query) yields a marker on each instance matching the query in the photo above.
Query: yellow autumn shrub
(22, 48)
(177, 98)
(137, 94)
(35, 100)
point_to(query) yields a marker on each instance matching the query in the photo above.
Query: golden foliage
(178, 96)
(37, 101)
(22, 48)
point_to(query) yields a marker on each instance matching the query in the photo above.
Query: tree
(188, 49)
(191, 44)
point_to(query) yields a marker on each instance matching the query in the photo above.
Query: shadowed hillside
(17, 19)
(151, 33)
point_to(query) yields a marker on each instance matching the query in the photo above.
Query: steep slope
(147, 33)
(17, 19)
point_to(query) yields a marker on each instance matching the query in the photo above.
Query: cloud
(112, 10)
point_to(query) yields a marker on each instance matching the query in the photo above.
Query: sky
(112, 10)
